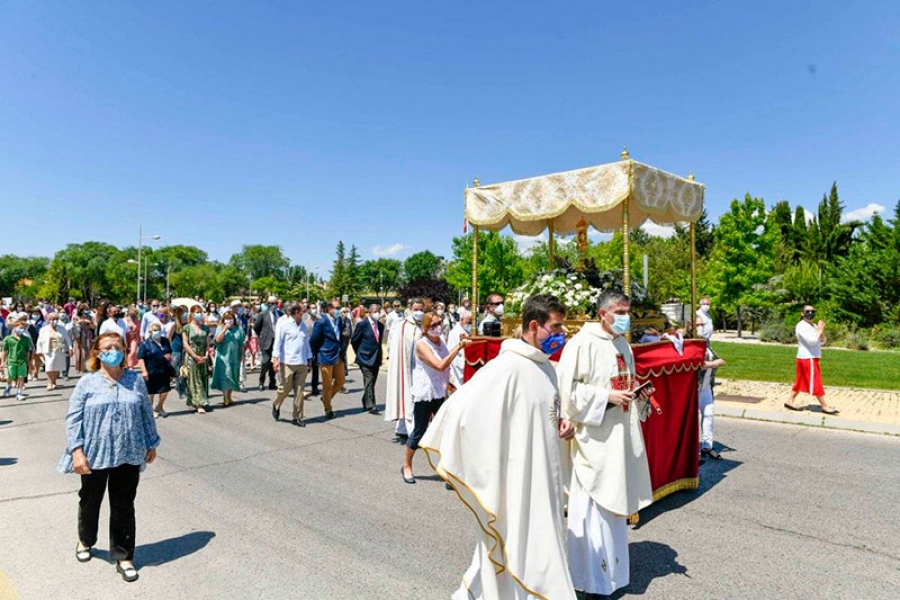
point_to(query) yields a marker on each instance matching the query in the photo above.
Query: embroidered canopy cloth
(595, 194)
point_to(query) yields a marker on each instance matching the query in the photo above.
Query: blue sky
(300, 123)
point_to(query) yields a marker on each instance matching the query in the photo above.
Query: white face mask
(704, 308)
(498, 310)
(436, 331)
(375, 316)
(417, 315)
(468, 328)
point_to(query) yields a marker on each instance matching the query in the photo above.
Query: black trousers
(265, 366)
(314, 367)
(370, 376)
(423, 410)
(122, 482)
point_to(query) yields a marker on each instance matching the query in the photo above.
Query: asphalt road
(237, 506)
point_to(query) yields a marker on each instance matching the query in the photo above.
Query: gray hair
(374, 306)
(606, 299)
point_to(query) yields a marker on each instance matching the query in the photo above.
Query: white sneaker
(156, 415)
(20, 396)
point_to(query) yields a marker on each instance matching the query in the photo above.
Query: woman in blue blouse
(111, 437)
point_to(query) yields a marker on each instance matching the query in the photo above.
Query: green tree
(422, 265)
(741, 263)
(381, 275)
(84, 268)
(829, 238)
(258, 261)
(339, 284)
(500, 267)
(16, 270)
(354, 279)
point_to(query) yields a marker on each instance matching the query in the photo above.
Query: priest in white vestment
(496, 441)
(610, 476)
(460, 331)
(398, 404)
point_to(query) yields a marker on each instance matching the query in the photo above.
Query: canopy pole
(551, 246)
(693, 231)
(475, 183)
(626, 234)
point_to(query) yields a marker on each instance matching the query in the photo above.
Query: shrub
(857, 340)
(888, 338)
(776, 331)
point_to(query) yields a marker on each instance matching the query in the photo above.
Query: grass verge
(850, 368)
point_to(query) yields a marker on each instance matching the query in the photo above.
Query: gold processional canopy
(617, 196)
(596, 194)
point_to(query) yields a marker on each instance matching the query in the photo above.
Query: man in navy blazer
(366, 342)
(326, 344)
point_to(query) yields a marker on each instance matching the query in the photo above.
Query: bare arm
(426, 356)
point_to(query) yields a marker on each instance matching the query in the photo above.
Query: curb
(808, 420)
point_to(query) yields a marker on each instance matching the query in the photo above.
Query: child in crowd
(17, 351)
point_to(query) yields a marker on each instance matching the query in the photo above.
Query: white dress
(54, 345)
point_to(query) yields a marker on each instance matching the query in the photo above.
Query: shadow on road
(650, 560)
(5, 462)
(165, 551)
(5, 423)
(711, 473)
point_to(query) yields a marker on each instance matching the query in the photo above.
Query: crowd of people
(494, 442)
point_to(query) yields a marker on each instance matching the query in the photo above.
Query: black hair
(538, 308)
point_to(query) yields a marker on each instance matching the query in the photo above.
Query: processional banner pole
(693, 231)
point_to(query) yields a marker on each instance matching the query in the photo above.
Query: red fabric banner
(672, 438)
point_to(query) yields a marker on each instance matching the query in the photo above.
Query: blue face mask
(552, 343)
(112, 358)
(621, 324)
(264, 307)
(240, 311)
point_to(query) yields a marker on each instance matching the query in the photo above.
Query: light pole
(131, 261)
(141, 238)
(307, 282)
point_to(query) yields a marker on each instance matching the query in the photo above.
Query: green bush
(776, 331)
(857, 340)
(837, 334)
(886, 336)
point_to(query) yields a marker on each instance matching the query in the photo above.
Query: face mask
(160, 315)
(264, 307)
(810, 314)
(436, 331)
(229, 321)
(621, 324)
(198, 317)
(54, 323)
(20, 331)
(704, 308)
(552, 343)
(417, 315)
(36, 317)
(112, 358)
(240, 311)
(439, 312)
(314, 312)
(375, 315)
(468, 328)
(184, 318)
(156, 335)
(498, 310)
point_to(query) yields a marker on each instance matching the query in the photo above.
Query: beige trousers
(292, 377)
(332, 381)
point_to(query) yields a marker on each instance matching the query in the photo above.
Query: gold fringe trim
(688, 366)
(689, 483)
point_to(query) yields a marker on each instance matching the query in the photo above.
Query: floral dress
(198, 374)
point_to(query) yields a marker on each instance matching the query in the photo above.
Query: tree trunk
(739, 323)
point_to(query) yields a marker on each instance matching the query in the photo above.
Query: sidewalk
(871, 411)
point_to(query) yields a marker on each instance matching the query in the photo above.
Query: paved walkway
(875, 411)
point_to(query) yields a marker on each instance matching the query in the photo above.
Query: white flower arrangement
(572, 288)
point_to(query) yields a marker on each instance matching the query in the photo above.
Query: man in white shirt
(493, 310)
(290, 357)
(149, 317)
(114, 323)
(460, 331)
(809, 350)
(704, 320)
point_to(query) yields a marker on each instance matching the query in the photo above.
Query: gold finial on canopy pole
(624, 154)
(551, 245)
(693, 232)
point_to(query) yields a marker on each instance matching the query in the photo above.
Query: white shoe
(20, 396)
(156, 415)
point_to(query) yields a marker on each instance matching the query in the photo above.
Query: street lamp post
(307, 281)
(141, 238)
